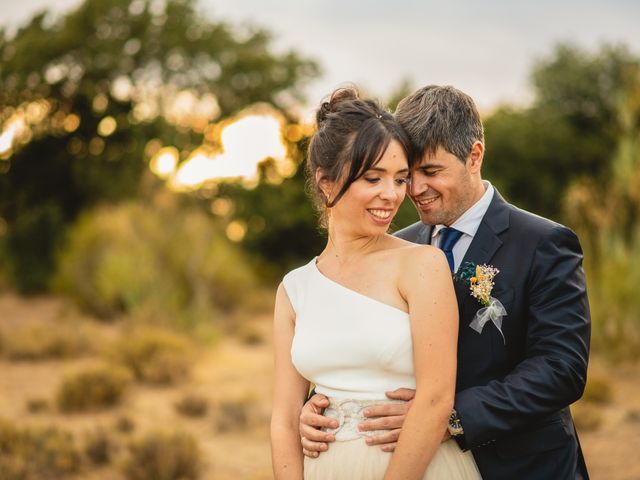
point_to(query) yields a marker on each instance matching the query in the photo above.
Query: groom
(518, 376)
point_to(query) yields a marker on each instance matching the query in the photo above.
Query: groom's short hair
(440, 116)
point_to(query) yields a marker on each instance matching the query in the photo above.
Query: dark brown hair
(440, 116)
(352, 135)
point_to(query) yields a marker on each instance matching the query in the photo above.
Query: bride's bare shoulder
(413, 253)
(421, 261)
(409, 256)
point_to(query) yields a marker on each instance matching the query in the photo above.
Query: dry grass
(235, 379)
(163, 456)
(598, 390)
(37, 405)
(155, 355)
(124, 424)
(99, 446)
(192, 405)
(39, 341)
(587, 417)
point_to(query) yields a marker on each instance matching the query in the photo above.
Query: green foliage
(403, 89)
(127, 60)
(290, 233)
(92, 389)
(569, 132)
(164, 265)
(533, 155)
(35, 454)
(586, 87)
(163, 456)
(610, 233)
(154, 355)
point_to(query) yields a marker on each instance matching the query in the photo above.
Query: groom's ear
(474, 161)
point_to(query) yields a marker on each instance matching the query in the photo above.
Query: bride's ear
(324, 184)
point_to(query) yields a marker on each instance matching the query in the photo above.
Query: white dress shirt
(468, 224)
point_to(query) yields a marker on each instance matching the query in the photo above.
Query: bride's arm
(427, 286)
(290, 392)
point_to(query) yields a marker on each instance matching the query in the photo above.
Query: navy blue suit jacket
(513, 396)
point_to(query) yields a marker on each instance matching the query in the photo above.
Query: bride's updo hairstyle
(352, 135)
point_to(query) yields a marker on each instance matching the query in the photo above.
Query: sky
(486, 49)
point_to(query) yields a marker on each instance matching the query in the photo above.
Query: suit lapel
(486, 241)
(424, 237)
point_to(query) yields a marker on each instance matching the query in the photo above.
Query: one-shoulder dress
(354, 348)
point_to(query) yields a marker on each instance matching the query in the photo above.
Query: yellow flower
(473, 280)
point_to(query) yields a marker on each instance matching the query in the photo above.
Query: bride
(371, 313)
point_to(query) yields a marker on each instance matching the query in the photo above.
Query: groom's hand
(389, 417)
(312, 438)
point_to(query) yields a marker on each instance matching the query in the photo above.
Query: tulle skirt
(350, 458)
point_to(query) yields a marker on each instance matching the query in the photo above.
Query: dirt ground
(233, 369)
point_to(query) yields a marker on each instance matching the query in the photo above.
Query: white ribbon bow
(494, 312)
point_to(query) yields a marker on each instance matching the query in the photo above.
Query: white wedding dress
(354, 348)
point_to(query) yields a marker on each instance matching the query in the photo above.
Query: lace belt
(348, 413)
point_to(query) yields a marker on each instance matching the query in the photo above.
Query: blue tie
(448, 238)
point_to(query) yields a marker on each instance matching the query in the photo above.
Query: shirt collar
(469, 222)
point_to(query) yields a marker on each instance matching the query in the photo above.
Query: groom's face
(441, 188)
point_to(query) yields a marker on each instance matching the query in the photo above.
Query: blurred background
(152, 196)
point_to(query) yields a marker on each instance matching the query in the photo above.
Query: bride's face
(371, 202)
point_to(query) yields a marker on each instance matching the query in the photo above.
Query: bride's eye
(371, 179)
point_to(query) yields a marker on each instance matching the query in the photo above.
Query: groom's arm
(554, 371)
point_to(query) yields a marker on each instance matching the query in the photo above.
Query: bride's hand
(312, 438)
(388, 417)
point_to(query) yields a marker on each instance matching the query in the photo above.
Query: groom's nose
(418, 184)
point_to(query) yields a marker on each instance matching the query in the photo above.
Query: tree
(610, 233)
(570, 131)
(80, 97)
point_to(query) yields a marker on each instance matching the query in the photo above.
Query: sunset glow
(13, 129)
(245, 143)
(164, 162)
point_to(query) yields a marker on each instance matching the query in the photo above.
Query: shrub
(154, 355)
(633, 415)
(598, 390)
(163, 456)
(34, 454)
(37, 341)
(250, 335)
(36, 405)
(192, 406)
(586, 416)
(98, 447)
(124, 424)
(94, 388)
(176, 266)
(234, 415)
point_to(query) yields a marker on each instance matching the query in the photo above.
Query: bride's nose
(391, 191)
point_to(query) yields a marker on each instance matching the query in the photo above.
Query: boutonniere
(479, 278)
